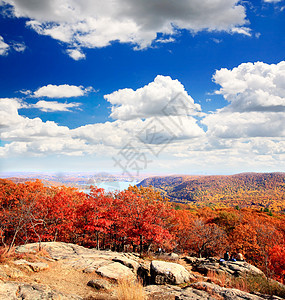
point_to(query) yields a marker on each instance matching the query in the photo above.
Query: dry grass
(220, 279)
(7, 255)
(162, 257)
(130, 290)
(228, 281)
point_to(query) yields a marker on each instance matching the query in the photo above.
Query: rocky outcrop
(163, 272)
(201, 291)
(227, 293)
(158, 292)
(36, 266)
(99, 272)
(22, 291)
(233, 268)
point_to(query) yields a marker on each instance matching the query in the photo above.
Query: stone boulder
(115, 271)
(34, 266)
(132, 264)
(99, 284)
(163, 272)
(23, 291)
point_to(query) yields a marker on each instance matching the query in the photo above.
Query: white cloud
(253, 87)
(163, 96)
(247, 124)
(33, 136)
(9, 111)
(165, 40)
(239, 137)
(242, 30)
(272, 1)
(75, 54)
(26, 92)
(4, 48)
(152, 131)
(61, 91)
(52, 106)
(256, 96)
(95, 23)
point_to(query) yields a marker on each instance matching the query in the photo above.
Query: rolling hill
(258, 190)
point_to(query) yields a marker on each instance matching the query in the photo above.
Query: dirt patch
(65, 279)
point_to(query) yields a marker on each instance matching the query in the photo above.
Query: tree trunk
(97, 240)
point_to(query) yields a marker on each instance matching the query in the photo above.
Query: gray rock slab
(21, 291)
(99, 284)
(115, 271)
(34, 266)
(226, 293)
(132, 264)
(163, 272)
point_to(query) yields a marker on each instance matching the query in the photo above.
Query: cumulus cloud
(9, 111)
(95, 24)
(253, 87)
(162, 97)
(52, 106)
(4, 48)
(61, 91)
(33, 136)
(151, 131)
(256, 96)
(247, 124)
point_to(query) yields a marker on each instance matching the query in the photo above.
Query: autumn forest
(140, 219)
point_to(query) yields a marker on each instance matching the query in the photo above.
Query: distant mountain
(260, 190)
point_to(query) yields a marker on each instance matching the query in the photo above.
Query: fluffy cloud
(162, 97)
(23, 135)
(253, 87)
(151, 131)
(61, 91)
(51, 106)
(33, 137)
(94, 23)
(75, 54)
(248, 124)
(16, 127)
(235, 139)
(4, 48)
(256, 96)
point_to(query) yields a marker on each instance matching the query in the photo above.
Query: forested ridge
(256, 190)
(138, 219)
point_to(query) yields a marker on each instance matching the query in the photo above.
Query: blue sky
(137, 86)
